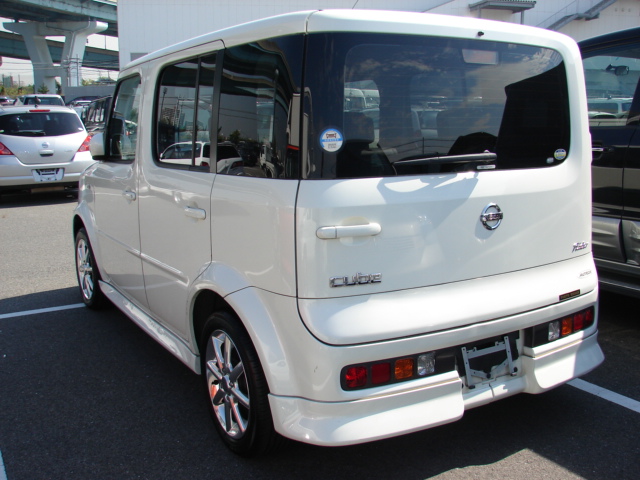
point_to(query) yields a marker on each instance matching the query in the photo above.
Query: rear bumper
(15, 175)
(441, 401)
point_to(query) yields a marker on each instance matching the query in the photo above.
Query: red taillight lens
(578, 321)
(85, 145)
(355, 377)
(380, 373)
(4, 150)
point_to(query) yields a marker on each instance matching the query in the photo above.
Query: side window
(184, 106)
(123, 125)
(611, 79)
(258, 117)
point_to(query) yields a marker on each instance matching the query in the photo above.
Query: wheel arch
(248, 305)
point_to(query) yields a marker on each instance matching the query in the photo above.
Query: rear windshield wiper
(29, 133)
(484, 158)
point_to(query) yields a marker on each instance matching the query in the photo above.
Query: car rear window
(43, 101)
(40, 124)
(385, 105)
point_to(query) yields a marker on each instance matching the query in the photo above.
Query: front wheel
(236, 387)
(87, 272)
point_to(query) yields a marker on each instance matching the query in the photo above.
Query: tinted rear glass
(41, 124)
(43, 101)
(382, 105)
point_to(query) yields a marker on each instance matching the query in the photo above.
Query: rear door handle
(129, 195)
(602, 149)
(197, 213)
(342, 231)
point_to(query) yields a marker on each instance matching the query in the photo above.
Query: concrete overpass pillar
(35, 37)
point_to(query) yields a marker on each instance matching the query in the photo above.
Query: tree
(43, 89)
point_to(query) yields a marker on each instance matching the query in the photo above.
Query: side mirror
(622, 70)
(96, 147)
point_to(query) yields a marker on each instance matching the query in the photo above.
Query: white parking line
(41, 310)
(606, 394)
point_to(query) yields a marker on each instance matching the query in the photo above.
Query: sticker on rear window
(560, 154)
(331, 140)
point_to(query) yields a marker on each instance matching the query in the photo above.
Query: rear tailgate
(432, 239)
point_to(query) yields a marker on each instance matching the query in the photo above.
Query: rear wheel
(236, 387)
(87, 272)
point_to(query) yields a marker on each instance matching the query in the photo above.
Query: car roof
(608, 39)
(35, 109)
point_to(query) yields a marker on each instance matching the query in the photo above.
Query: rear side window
(43, 124)
(183, 113)
(259, 108)
(384, 105)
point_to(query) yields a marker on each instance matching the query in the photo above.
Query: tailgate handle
(341, 231)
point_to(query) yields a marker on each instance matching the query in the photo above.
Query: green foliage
(16, 91)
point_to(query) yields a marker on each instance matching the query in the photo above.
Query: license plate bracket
(486, 360)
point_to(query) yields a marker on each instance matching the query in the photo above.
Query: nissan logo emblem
(491, 216)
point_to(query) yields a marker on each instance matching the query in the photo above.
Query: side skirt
(168, 340)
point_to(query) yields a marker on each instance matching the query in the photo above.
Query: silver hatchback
(41, 146)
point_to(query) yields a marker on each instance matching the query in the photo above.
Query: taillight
(85, 145)
(394, 370)
(4, 150)
(559, 328)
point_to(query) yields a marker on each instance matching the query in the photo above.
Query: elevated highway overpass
(31, 22)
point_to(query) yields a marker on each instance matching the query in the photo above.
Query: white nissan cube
(404, 235)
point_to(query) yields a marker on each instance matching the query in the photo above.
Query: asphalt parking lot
(87, 395)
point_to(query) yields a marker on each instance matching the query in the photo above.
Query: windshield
(40, 124)
(43, 101)
(381, 105)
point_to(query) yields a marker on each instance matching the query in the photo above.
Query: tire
(236, 388)
(87, 273)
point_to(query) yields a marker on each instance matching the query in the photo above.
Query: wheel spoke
(212, 367)
(217, 348)
(236, 372)
(228, 415)
(227, 351)
(240, 421)
(241, 398)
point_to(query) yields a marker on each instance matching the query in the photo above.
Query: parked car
(40, 99)
(41, 147)
(378, 282)
(96, 114)
(5, 101)
(612, 70)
